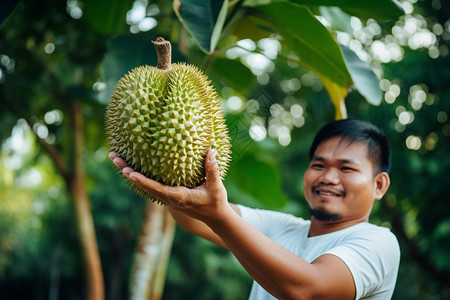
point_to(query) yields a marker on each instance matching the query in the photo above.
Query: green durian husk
(163, 122)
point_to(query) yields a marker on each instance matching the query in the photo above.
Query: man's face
(340, 183)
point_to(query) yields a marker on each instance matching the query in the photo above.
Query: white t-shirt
(371, 252)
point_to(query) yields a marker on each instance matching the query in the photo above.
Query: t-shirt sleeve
(373, 261)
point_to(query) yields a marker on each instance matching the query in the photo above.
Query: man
(335, 255)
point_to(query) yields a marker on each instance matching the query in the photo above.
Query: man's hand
(207, 202)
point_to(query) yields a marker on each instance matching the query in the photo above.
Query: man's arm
(198, 227)
(279, 271)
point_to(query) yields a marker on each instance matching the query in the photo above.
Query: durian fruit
(163, 120)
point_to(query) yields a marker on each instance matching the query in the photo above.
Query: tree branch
(51, 149)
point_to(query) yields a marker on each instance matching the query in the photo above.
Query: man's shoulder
(370, 228)
(371, 235)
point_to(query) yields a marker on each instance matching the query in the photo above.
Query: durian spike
(164, 53)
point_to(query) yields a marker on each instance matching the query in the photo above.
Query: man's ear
(382, 182)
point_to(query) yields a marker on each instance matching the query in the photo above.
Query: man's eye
(317, 166)
(347, 169)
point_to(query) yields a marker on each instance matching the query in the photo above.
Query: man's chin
(324, 215)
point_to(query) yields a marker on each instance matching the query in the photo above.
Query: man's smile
(324, 190)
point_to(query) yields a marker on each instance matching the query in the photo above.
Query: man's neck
(320, 227)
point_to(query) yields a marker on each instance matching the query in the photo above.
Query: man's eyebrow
(342, 161)
(349, 161)
(319, 158)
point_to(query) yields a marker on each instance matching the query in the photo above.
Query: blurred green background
(59, 61)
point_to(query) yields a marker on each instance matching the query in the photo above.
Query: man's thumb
(211, 167)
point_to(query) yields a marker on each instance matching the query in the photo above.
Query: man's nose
(330, 176)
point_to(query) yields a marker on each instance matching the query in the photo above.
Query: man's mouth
(327, 191)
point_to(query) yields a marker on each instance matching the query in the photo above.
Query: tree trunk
(152, 253)
(74, 179)
(81, 202)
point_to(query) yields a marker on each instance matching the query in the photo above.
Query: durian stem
(164, 53)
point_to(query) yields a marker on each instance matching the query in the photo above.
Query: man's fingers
(117, 160)
(139, 179)
(127, 171)
(172, 196)
(164, 193)
(112, 155)
(176, 197)
(120, 163)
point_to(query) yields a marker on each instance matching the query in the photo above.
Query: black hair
(353, 130)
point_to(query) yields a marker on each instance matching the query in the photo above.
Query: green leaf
(364, 78)
(309, 40)
(7, 8)
(106, 17)
(259, 179)
(251, 27)
(204, 19)
(232, 73)
(338, 19)
(376, 9)
(217, 31)
(126, 52)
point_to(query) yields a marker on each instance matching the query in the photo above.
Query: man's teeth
(327, 193)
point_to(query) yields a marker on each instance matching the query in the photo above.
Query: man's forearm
(187, 223)
(279, 271)
(197, 227)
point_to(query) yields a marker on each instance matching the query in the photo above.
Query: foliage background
(54, 53)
